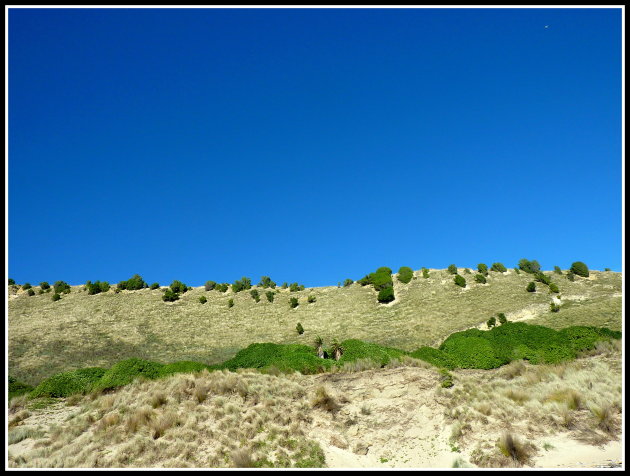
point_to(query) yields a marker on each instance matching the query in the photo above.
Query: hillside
(84, 330)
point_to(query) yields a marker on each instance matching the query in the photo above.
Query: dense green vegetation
(405, 274)
(499, 267)
(459, 280)
(452, 269)
(170, 296)
(133, 283)
(97, 287)
(178, 287)
(17, 388)
(61, 287)
(241, 284)
(483, 269)
(528, 266)
(580, 269)
(266, 282)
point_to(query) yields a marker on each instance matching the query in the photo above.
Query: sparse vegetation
(11, 282)
(266, 282)
(230, 302)
(553, 288)
(311, 299)
(557, 270)
(178, 287)
(61, 287)
(347, 282)
(97, 287)
(56, 297)
(570, 276)
(155, 286)
(241, 284)
(491, 322)
(502, 318)
(425, 273)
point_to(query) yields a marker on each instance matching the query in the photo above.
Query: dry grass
(81, 330)
(512, 447)
(324, 400)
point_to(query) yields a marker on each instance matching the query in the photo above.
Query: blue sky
(310, 145)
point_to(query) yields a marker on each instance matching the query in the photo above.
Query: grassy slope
(81, 330)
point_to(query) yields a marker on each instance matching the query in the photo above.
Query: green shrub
(26, 286)
(570, 275)
(299, 328)
(460, 281)
(11, 282)
(386, 295)
(41, 291)
(434, 356)
(255, 294)
(491, 322)
(203, 299)
(230, 302)
(284, 285)
(30, 292)
(266, 282)
(531, 287)
(405, 274)
(347, 283)
(517, 271)
(294, 287)
(133, 283)
(553, 287)
(502, 318)
(61, 287)
(155, 286)
(384, 270)
(17, 388)
(97, 287)
(557, 270)
(553, 307)
(580, 269)
(241, 284)
(69, 383)
(529, 267)
(210, 285)
(170, 296)
(446, 379)
(354, 349)
(270, 295)
(124, 372)
(366, 280)
(184, 366)
(311, 299)
(542, 278)
(452, 269)
(483, 269)
(480, 278)
(56, 297)
(381, 281)
(178, 287)
(425, 273)
(287, 357)
(223, 287)
(293, 302)
(499, 267)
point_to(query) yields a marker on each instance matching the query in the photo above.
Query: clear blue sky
(310, 145)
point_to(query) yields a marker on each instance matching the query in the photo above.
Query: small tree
(480, 278)
(254, 293)
(56, 297)
(502, 318)
(452, 269)
(155, 286)
(557, 270)
(266, 282)
(293, 302)
(299, 329)
(222, 287)
(483, 269)
(270, 295)
(210, 285)
(499, 267)
(405, 274)
(460, 281)
(230, 302)
(553, 288)
(347, 283)
(529, 267)
(242, 284)
(26, 286)
(44, 285)
(133, 283)
(319, 345)
(386, 295)
(491, 322)
(570, 275)
(580, 269)
(178, 287)
(170, 296)
(311, 299)
(294, 287)
(284, 285)
(337, 350)
(606, 269)
(531, 287)
(203, 299)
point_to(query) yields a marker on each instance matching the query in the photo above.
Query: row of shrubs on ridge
(473, 348)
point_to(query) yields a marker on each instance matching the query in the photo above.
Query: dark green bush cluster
(270, 295)
(241, 284)
(223, 287)
(513, 341)
(97, 287)
(155, 286)
(31, 292)
(266, 282)
(44, 285)
(553, 288)
(255, 295)
(178, 287)
(557, 270)
(56, 297)
(61, 287)
(203, 299)
(26, 286)
(311, 299)
(210, 285)
(491, 322)
(480, 278)
(230, 302)
(286, 358)
(381, 279)
(124, 372)
(425, 273)
(296, 287)
(531, 287)
(133, 283)
(293, 302)
(69, 383)
(502, 318)
(528, 266)
(553, 307)
(446, 379)
(459, 281)
(405, 274)
(17, 388)
(299, 329)
(170, 295)
(11, 282)
(580, 269)
(542, 278)
(452, 269)
(347, 282)
(483, 269)
(499, 267)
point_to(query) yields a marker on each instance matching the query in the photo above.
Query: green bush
(223, 287)
(425, 273)
(155, 286)
(557, 270)
(56, 297)
(570, 275)
(517, 271)
(31, 292)
(491, 322)
(230, 302)
(405, 274)
(178, 287)
(255, 294)
(542, 278)
(170, 296)
(133, 283)
(293, 302)
(386, 295)
(294, 287)
(460, 281)
(61, 287)
(26, 286)
(434, 356)
(499, 267)
(11, 282)
(446, 379)
(529, 267)
(580, 269)
(288, 357)
(41, 291)
(17, 388)
(299, 329)
(124, 372)
(606, 269)
(311, 299)
(354, 349)
(531, 287)
(266, 282)
(184, 366)
(210, 285)
(381, 281)
(483, 269)
(553, 287)
(270, 295)
(203, 299)
(553, 307)
(502, 318)
(384, 270)
(241, 284)
(365, 280)
(69, 383)
(480, 278)
(347, 283)
(452, 269)
(97, 287)
(284, 285)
